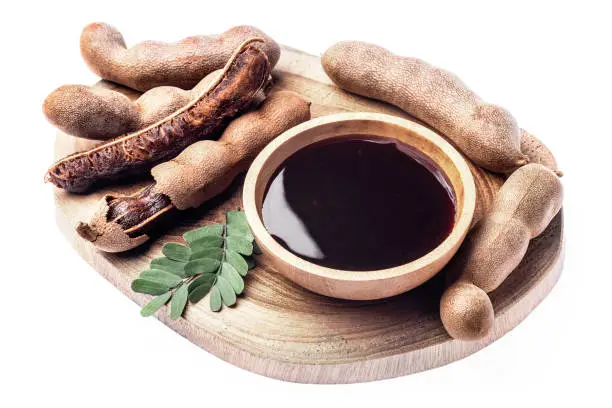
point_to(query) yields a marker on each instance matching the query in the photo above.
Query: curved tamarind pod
(96, 113)
(92, 113)
(199, 173)
(537, 152)
(151, 64)
(486, 133)
(234, 90)
(525, 205)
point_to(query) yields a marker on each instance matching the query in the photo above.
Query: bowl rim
(455, 237)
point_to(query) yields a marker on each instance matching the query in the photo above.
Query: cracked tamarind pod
(199, 173)
(233, 91)
(525, 205)
(486, 133)
(151, 64)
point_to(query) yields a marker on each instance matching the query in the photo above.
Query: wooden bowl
(359, 285)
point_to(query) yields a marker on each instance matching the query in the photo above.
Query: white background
(68, 338)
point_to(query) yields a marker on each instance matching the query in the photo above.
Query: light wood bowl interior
(360, 285)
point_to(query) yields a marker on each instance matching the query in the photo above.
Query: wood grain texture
(283, 331)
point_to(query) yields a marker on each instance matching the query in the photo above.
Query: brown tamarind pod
(151, 64)
(97, 113)
(486, 133)
(199, 173)
(525, 205)
(468, 312)
(231, 92)
(537, 152)
(92, 113)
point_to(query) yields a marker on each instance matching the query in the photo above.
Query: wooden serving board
(283, 331)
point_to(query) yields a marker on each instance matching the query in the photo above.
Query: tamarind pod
(525, 205)
(486, 133)
(96, 113)
(151, 64)
(199, 173)
(92, 113)
(231, 92)
(99, 113)
(537, 152)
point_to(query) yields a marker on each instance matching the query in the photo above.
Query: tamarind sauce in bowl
(359, 205)
(359, 202)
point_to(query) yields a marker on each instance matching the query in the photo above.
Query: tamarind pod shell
(91, 113)
(466, 311)
(486, 133)
(108, 236)
(244, 75)
(206, 168)
(525, 205)
(537, 152)
(151, 64)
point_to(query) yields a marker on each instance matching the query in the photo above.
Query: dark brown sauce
(359, 203)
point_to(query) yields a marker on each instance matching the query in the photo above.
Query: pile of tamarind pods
(194, 87)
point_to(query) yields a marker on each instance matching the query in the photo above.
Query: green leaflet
(205, 231)
(167, 279)
(250, 261)
(179, 301)
(239, 244)
(176, 252)
(168, 265)
(149, 288)
(154, 305)
(201, 286)
(206, 242)
(202, 265)
(212, 253)
(215, 299)
(227, 291)
(237, 225)
(237, 261)
(233, 277)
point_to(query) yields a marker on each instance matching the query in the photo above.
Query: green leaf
(256, 249)
(154, 305)
(149, 288)
(205, 231)
(237, 225)
(215, 299)
(205, 279)
(239, 244)
(176, 252)
(250, 261)
(179, 300)
(200, 287)
(203, 265)
(227, 291)
(233, 277)
(237, 261)
(206, 242)
(162, 277)
(212, 253)
(168, 265)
